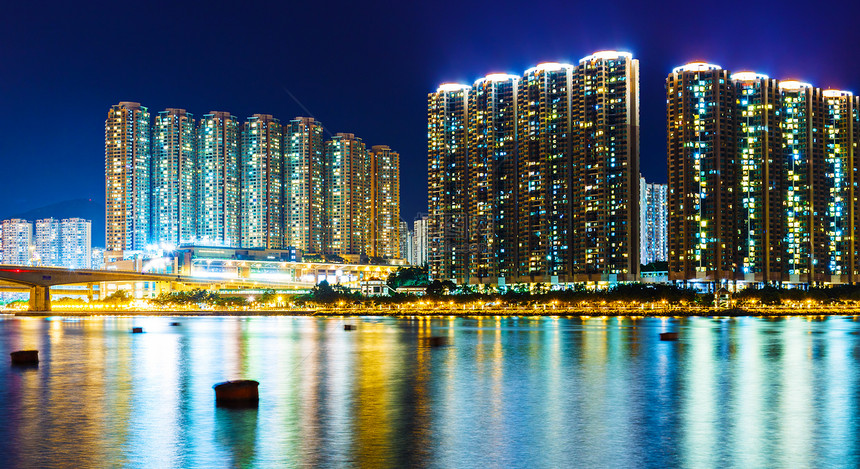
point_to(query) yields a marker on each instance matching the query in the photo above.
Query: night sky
(360, 68)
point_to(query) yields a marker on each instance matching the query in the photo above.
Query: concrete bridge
(41, 279)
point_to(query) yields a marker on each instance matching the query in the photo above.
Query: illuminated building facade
(544, 171)
(384, 236)
(262, 161)
(347, 176)
(47, 246)
(605, 161)
(492, 185)
(700, 139)
(218, 180)
(759, 166)
(174, 178)
(419, 240)
(76, 243)
(542, 182)
(127, 177)
(653, 222)
(765, 170)
(17, 241)
(405, 242)
(841, 137)
(303, 185)
(804, 195)
(447, 152)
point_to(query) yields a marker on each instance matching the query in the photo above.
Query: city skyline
(378, 106)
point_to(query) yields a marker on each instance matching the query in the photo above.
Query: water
(505, 392)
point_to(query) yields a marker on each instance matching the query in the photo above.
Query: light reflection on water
(536, 392)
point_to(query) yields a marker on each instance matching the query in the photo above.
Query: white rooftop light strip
(793, 85)
(748, 76)
(447, 87)
(836, 93)
(496, 77)
(549, 67)
(606, 55)
(696, 67)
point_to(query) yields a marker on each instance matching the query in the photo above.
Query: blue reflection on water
(537, 392)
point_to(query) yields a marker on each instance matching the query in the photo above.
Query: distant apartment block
(419, 240)
(47, 245)
(17, 242)
(76, 243)
(653, 213)
(258, 185)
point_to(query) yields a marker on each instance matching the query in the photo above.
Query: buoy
(668, 336)
(136, 330)
(174, 323)
(436, 341)
(242, 392)
(349, 327)
(25, 357)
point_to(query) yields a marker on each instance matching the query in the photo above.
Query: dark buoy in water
(25, 357)
(136, 330)
(174, 323)
(349, 327)
(436, 341)
(668, 336)
(238, 393)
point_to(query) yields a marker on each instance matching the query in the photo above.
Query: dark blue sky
(361, 68)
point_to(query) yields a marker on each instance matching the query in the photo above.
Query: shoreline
(509, 312)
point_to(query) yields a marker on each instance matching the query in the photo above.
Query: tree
(118, 297)
(408, 276)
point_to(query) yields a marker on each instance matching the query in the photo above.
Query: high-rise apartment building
(419, 240)
(759, 166)
(405, 242)
(447, 151)
(700, 139)
(262, 183)
(384, 236)
(218, 180)
(544, 171)
(492, 184)
(174, 178)
(841, 139)
(17, 241)
(804, 194)
(76, 243)
(605, 161)
(127, 177)
(303, 185)
(653, 222)
(47, 245)
(347, 191)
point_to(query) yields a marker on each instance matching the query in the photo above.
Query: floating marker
(174, 323)
(349, 327)
(136, 330)
(668, 336)
(435, 341)
(238, 393)
(25, 357)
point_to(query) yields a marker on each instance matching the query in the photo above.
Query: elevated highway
(39, 280)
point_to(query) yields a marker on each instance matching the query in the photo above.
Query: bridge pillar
(40, 298)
